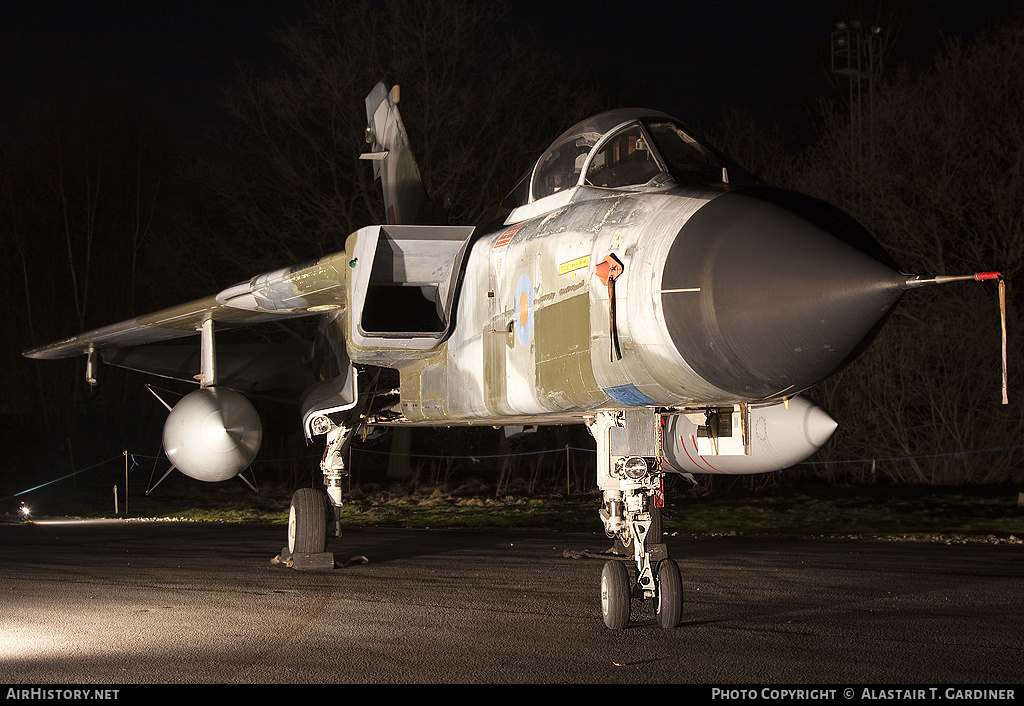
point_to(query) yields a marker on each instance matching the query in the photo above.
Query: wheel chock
(319, 561)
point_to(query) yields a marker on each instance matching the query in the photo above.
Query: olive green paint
(564, 370)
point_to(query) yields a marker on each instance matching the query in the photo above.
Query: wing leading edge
(301, 290)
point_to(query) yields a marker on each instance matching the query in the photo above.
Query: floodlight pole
(858, 53)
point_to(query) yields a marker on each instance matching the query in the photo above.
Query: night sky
(770, 59)
(176, 55)
(697, 60)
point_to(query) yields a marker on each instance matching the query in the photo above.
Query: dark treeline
(936, 174)
(103, 217)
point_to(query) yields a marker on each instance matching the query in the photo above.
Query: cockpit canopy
(623, 149)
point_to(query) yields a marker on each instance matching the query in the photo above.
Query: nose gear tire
(615, 595)
(668, 605)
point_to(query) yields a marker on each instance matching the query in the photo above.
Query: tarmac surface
(137, 602)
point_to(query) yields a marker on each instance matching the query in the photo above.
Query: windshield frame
(580, 144)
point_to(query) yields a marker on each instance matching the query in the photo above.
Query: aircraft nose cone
(767, 295)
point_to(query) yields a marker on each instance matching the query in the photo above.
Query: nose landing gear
(655, 576)
(632, 487)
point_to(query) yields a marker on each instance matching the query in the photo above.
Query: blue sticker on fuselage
(628, 395)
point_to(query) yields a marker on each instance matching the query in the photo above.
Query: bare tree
(80, 185)
(478, 105)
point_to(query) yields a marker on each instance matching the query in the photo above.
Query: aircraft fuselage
(538, 336)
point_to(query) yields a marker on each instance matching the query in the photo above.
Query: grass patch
(957, 514)
(913, 513)
(540, 513)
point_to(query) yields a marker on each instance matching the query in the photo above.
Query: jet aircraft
(636, 281)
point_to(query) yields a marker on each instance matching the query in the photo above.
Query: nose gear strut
(631, 481)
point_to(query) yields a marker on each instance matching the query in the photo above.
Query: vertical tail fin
(394, 164)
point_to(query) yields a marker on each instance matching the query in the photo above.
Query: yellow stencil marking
(578, 264)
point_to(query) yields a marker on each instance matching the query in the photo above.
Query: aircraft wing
(301, 290)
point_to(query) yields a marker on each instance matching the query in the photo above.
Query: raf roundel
(524, 310)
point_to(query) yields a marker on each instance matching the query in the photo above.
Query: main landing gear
(631, 482)
(313, 515)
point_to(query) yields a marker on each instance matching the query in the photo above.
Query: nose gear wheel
(615, 595)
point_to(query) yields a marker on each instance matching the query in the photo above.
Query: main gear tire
(307, 522)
